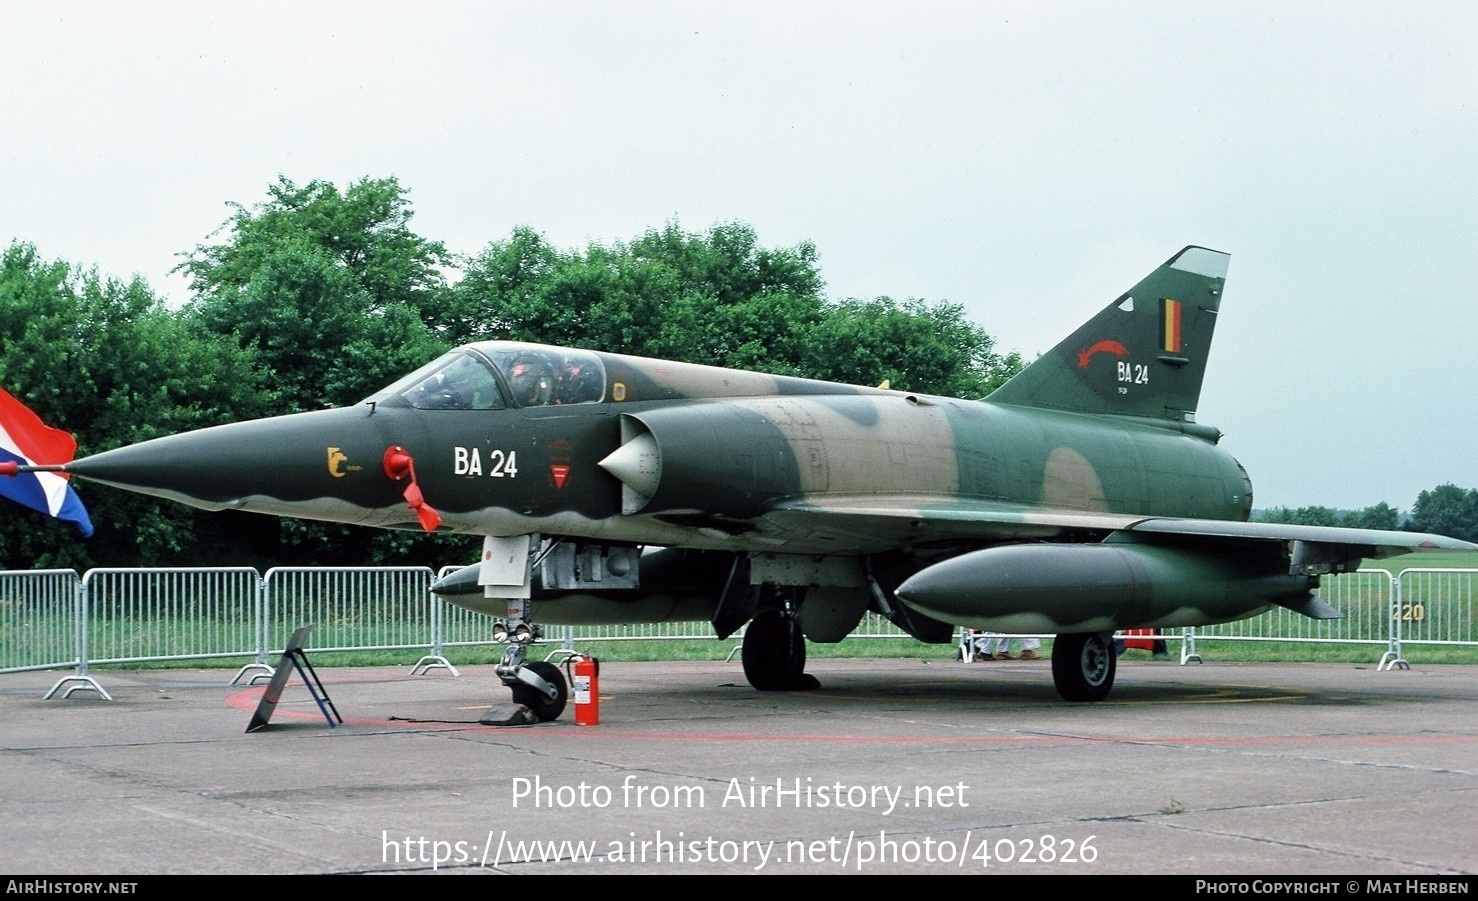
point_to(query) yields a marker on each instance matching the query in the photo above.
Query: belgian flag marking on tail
(1167, 317)
(1170, 325)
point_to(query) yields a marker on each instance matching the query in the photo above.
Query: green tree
(1303, 516)
(737, 304)
(728, 264)
(498, 295)
(1376, 516)
(365, 230)
(1447, 510)
(915, 347)
(720, 298)
(107, 361)
(331, 292)
(714, 298)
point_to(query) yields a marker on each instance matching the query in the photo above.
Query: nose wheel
(546, 707)
(539, 686)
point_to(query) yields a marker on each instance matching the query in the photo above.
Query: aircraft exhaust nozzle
(1097, 587)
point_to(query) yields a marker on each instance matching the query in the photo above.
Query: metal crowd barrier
(150, 615)
(1418, 606)
(40, 620)
(1364, 597)
(54, 619)
(360, 608)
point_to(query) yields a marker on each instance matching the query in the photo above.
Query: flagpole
(12, 468)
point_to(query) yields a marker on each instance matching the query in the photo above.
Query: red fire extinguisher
(587, 690)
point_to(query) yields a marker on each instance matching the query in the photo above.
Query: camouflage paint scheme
(1079, 498)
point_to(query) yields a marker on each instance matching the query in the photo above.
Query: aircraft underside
(1081, 593)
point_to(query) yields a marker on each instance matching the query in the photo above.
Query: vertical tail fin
(1142, 355)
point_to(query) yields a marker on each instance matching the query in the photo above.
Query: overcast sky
(1027, 160)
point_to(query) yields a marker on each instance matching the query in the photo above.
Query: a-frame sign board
(294, 652)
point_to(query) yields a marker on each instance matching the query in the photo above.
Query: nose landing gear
(539, 686)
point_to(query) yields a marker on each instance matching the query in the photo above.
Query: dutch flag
(25, 440)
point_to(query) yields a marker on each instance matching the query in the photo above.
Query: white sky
(1027, 160)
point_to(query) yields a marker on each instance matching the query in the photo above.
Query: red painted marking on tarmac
(248, 700)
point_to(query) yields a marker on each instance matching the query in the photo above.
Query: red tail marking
(1102, 347)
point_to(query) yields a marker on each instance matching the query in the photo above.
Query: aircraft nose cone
(327, 459)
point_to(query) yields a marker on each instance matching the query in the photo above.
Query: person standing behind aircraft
(1025, 644)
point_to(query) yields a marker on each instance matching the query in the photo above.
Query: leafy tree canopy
(1444, 510)
(331, 292)
(1447, 510)
(364, 230)
(1303, 516)
(107, 360)
(1377, 516)
(720, 298)
(915, 347)
(667, 294)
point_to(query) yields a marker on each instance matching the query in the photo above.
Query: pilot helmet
(530, 383)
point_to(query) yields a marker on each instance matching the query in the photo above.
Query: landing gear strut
(1083, 665)
(507, 576)
(775, 651)
(539, 686)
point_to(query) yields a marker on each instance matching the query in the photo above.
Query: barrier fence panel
(1364, 597)
(458, 626)
(52, 618)
(672, 631)
(1435, 606)
(137, 615)
(875, 625)
(461, 627)
(872, 626)
(39, 619)
(350, 608)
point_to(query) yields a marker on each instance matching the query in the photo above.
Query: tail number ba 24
(468, 461)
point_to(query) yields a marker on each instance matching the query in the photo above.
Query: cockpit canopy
(495, 374)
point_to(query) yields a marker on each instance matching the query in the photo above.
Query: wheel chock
(508, 715)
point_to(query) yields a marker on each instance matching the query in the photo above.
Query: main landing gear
(774, 651)
(1083, 665)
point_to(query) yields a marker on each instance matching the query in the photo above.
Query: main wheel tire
(545, 708)
(774, 653)
(1083, 666)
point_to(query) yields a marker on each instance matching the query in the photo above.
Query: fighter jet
(1078, 499)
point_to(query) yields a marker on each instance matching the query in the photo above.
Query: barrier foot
(261, 670)
(84, 683)
(1391, 660)
(430, 662)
